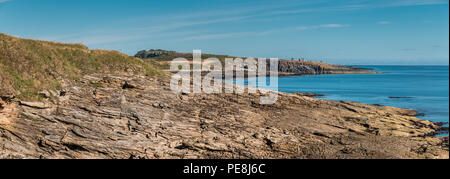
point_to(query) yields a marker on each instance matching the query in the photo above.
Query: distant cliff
(286, 67)
(303, 67)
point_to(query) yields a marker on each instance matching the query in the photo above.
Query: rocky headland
(285, 68)
(85, 103)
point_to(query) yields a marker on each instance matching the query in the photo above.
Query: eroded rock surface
(137, 117)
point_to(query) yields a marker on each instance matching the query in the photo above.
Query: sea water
(422, 88)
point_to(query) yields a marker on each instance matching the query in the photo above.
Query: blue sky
(335, 31)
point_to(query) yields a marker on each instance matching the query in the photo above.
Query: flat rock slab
(107, 121)
(37, 105)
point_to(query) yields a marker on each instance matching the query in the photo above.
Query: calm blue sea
(428, 87)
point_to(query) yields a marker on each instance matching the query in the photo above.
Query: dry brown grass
(28, 66)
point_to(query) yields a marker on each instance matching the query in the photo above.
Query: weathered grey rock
(153, 122)
(54, 93)
(45, 94)
(37, 105)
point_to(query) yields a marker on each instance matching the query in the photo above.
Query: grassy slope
(29, 66)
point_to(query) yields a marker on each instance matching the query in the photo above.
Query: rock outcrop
(139, 117)
(293, 67)
(286, 67)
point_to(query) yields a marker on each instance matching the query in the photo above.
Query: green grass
(29, 66)
(163, 61)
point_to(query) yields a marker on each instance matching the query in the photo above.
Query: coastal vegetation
(29, 66)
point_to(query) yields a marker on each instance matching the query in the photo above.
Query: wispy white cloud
(384, 22)
(184, 22)
(361, 5)
(1, 1)
(96, 39)
(245, 9)
(98, 36)
(321, 26)
(333, 25)
(415, 2)
(320, 9)
(436, 46)
(217, 36)
(262, 33)
(239, 11)
(408, 49)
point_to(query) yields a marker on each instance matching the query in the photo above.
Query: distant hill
(165, 55)
(286, 67)
(28, 66)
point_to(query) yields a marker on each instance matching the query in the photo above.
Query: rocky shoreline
(64, 101)
(139, 117)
